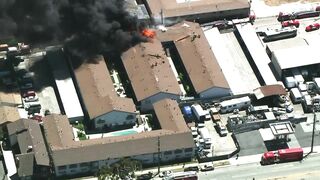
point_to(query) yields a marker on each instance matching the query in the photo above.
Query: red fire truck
(282, 155)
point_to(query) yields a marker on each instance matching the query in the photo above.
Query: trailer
(282, 155)
(201, 114)
(232, 104)
(205, 135)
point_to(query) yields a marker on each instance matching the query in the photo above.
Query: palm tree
(123, 169)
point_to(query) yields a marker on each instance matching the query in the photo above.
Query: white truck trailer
(205, 135)
(201, 114)
(232, 104)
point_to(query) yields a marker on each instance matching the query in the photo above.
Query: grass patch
(81, 136)
(79, 126)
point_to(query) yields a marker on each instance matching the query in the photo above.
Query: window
(62, 167)
(178, 151)
(168, 153)
(188, 150)
(84, 164)
(73, 166)
(100, 121)
(129, 117)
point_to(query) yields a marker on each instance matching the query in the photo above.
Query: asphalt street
(308, 169)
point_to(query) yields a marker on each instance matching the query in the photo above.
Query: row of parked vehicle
(296, 23)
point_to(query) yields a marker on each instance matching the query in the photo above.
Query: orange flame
(148, 33)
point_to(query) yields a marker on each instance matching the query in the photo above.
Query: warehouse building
(150, 74)
(66, 92)
(252, 46)
(232, 60)
(100, 101)
(285, 60)
(202, 11)
(74, 157)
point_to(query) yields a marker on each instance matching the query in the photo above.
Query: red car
(37, 118)
(28, 94)
(291, 23)
(313, 27)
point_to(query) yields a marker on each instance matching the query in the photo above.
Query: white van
(295, 95)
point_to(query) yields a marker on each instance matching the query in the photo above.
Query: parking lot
(34, 75)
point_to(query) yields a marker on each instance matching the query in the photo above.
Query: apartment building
(150, 73)
(197, 58)
(74, 157)
(31, 157)
(98, 96)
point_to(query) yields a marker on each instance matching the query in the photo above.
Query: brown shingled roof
(171, 8)
(97, 90)
(196, 55)
(149, 70)
(118, 146)
(28, 133)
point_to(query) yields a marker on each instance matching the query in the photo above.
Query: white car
(165, 174)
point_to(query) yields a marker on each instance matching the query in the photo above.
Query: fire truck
(282, 155)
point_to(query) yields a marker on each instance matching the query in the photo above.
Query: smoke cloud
(85, 27)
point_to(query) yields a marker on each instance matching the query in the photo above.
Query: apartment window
(168, 153)
(100, 121)
(188, 150)
(62, 167)
(84, 164)
(73, 166)
(178, 151)
(129, 117)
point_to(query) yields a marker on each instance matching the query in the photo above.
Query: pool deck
(142, 128)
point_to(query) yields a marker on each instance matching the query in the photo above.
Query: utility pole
(313, 129)
(159, 158)
(315, 109)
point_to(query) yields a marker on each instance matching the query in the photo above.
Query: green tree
(120, 170)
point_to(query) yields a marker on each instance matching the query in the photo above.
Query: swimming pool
(124, 132)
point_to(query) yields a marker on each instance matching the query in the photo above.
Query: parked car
(31, 98)
(26, 86)
(145, 176)
(191, 168)
(165, 174)
(207, 168)
(222, 130)
(313, 27)
(290, 23)
(37, 118)
(28, 93)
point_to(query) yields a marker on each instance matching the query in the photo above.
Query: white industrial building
(295, 57)
(252, 45)
(232, 61)
(67, 94)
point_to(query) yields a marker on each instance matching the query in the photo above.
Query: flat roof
(286, 43)
(232, 61)
(297, 56)
(281, 128)
(64, 83)
(257, 52)
(8, 109)
(178, 8)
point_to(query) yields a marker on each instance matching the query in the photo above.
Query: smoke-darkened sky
(85, 27)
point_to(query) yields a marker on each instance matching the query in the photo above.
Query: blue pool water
(123, 133)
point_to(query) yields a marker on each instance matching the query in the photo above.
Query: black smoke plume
(85, 27)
